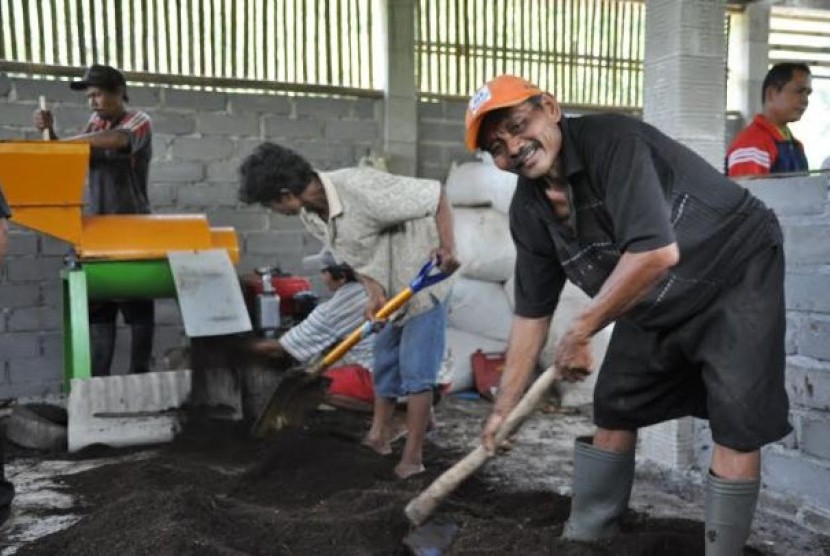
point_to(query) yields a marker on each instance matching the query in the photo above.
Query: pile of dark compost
(314, 491)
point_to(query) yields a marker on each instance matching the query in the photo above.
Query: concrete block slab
(792, 195)
(202, 148)
(177, 171)
(814, 435)
(221, 123)
(259, 103)
(812, 340)
(203, 101)
(807, 243)
(808, 382)
(797, 474)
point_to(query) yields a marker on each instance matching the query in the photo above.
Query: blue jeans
(408, 357)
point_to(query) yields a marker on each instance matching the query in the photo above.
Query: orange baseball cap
(501, 92)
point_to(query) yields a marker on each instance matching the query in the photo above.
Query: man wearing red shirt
(767, 146)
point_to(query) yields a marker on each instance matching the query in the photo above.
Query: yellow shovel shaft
(352, 339)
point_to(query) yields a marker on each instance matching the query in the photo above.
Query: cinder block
(162, 194)
(5, 85)
(70, 119)
(346, 130)
(795, 322)
(271, 242)
(29, 90)
(34, 390)
(17, 114)
(244, 147)
(35, 370)
(809, 291)
(791, 195)
(11, 133)
(144, 97)
(172, 123)
(323, 107)
(367, 109)
(177, 171)
(277, 221)
(455, 111)
(201, 148)
(430, 110)
(34, 319)
(812, 341)
(326, 155)
(224, 171)
(814, 435)
(796, 474)
(808, 382)
(27, 270)
(259, 103)
(203, 101)
(51, 345)
(220, 123)
(448, 132)
(21, 241)
(161, 144)
(207, 195)
(288, 128)
(19, 345)
(243, 220)
(54, 247)
(14, 296)
(807, 243)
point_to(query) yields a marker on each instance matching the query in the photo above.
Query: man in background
(330, 322)
(121, 142)
(767, 146)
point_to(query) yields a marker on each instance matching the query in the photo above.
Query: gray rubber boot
(601, 488)
(102, 346)
(141, 347)
(730, 506)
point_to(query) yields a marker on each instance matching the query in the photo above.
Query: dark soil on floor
(315, 491)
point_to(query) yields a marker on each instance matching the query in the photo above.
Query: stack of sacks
(481, 305)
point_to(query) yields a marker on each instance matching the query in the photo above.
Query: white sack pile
(481, 306)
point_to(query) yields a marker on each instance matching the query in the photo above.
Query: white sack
(510, 290)
(478, 183)
(480, 308)
(483, 244)
(571, 303)
(460, 346)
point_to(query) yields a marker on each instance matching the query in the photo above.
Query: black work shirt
(633, 189)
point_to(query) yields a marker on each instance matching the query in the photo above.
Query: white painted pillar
(685, 97)
(685, 73)
(749, 59)
(400, 127)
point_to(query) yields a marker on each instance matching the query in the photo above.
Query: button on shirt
(632, 189)
(329, 323)
(383, 226)
(118, 178)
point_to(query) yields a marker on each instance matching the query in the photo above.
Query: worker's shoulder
(366, 178)
(757, 134)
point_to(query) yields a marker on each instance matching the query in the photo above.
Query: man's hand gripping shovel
(303, 389)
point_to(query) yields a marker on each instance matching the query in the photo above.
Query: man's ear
(552, 106)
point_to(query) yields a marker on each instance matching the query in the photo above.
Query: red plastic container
(487, 370)
(285, 286)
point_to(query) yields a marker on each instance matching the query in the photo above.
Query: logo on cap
(481, 96)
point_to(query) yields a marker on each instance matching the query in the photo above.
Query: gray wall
(199, 140)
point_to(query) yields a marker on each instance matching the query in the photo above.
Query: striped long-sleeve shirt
(329, 323)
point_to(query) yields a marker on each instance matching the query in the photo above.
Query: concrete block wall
(796, 470)
(199, 140)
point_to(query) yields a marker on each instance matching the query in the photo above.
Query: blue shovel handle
(426, 277)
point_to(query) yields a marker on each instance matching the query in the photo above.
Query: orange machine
(115, 255)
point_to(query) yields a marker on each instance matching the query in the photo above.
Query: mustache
(519, 159)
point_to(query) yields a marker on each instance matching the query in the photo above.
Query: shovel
(303, 389)
(422, 540)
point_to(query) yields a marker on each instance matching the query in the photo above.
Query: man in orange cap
(688, 264)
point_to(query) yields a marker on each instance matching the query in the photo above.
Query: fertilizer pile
(316, 491)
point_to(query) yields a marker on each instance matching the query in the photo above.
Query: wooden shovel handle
(422, 506)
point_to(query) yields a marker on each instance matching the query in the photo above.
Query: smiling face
(789, 104)
(109, 105)
(525, 139)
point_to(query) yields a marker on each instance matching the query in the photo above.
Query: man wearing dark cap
(688, 265)
(121, 141)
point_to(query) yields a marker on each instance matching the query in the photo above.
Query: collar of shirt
(335, 206)
(774, 130)
(321, 229)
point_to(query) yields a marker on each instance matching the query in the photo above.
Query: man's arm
(446, 236)
(632, 278)
(527, 338)
(112, 139)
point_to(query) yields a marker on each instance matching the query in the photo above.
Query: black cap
(106, 77)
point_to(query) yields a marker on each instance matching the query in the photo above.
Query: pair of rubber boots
(602, 486)
(102, 344)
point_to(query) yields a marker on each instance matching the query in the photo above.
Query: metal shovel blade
(297, 393)
(433, 538)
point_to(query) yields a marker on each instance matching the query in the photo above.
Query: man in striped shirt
(121, 148)
(767, 146)
(331, 321)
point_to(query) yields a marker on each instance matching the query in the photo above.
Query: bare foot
(406, 470)
(377, 445)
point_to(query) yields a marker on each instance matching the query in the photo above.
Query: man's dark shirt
(118, 178)
(633, 189)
